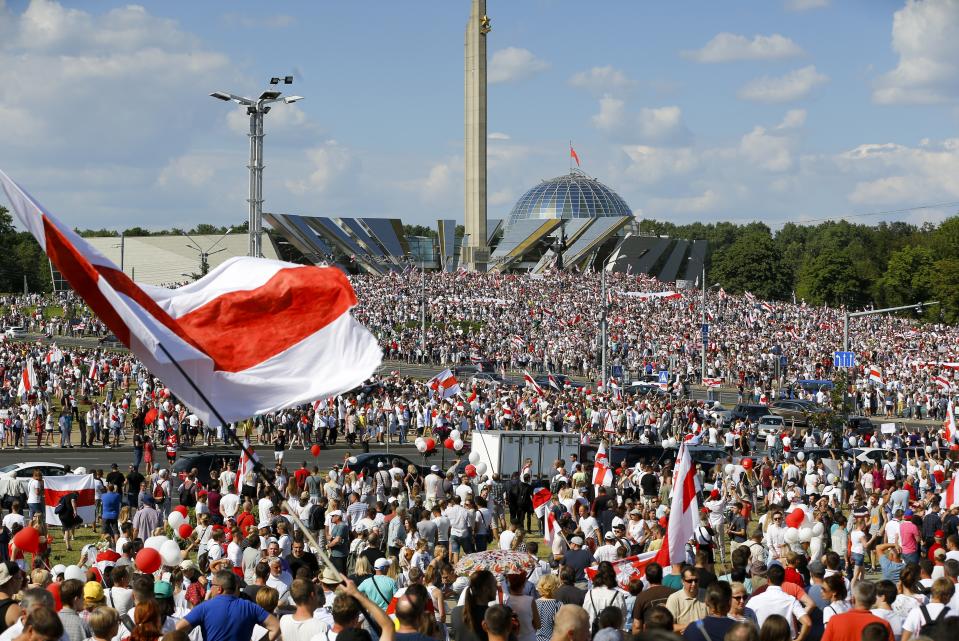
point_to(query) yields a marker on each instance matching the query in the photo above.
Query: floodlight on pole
(256, 108)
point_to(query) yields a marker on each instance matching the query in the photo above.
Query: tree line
(834, 263)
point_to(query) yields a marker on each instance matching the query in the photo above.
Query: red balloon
(795, 518)
(148, 560)
(28, 540)
(448, 443)
(471, 470)
(747, 463)
(315, 450)
(182, 509)
(185, 530)
(430, 444)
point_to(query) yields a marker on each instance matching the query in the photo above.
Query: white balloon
(481, 468)
(458, 445)
(805, 534)
(155, 542)
(455, 435)
(175, 520)
(800, 456)
(818, 529)
(170, 553)
(474, 458)
(791, 535)
(730, 468)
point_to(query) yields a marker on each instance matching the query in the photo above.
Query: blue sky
(776, 110)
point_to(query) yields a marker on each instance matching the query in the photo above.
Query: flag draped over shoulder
(255, 335)
(56, 487)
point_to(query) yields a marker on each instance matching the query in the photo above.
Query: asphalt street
(94, 458)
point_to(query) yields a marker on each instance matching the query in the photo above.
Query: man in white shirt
(892, 528)
(774, 601)
(279, 580)
(464, 490)
(942, 593)
(433, 486)
(608, 551)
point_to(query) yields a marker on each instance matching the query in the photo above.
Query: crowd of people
(831, 545)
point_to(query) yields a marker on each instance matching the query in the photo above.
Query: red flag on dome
(573, 154)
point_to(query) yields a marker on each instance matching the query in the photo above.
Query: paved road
(100, 458)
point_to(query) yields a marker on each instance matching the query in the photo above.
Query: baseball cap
(382, 564)
(576, 540)
(609, 536)
(434, 468)
(59, 568)
(93, 592)
(939, 534)
(335, 513)
(187, 564)
(816, 568)
(907, 513)
(263, 525)
(163, 590)
(940, 553)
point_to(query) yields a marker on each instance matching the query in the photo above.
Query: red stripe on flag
(85, 498)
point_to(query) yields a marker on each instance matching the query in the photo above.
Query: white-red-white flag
(254, 335)
(552, 381)
(713, 382)
(550, 527)
(952, 493)
(875, 375)
(531, 382)
(245, 467)
(632, 567)
(609, 427)
(28, 378)
(56, 487)
(541, 499)
(54, 355)
(683, 512)
(444, 384)
(602, 474)
(949, 426)
(94, 370)
(667, 295)
(941, 382)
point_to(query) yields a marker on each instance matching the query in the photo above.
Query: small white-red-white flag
(541, 499)
(444, 384)
(609, 427)
(550, 527)
(253, 336)
(245, 467)
(94, 370)
(952, 493)
(875, 375)
(602, 474)
(949, 426)
(28, 378)
(683, 512)
(531, 382)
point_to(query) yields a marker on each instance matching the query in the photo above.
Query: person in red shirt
(937, 544)
(172, 443)
(848, 626)
(792, 574)
(300, 476)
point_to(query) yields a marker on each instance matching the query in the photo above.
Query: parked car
(22, 472)
(770, 424)
(648, 388)
(861, 425)
(752, 412)
(492, 377)
(203, 462)
(16, 332)
(561, 379)
(368, 464)
(110, 340)
(795, 411)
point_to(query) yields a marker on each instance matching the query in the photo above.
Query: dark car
(561, 380)
(752, 412)
(860, 425)
(627, 455)
(204, 462)
(370, 463)
(110, 340)
(795, 411)
(474, 368)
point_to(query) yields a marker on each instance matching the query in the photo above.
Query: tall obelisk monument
(475, 250)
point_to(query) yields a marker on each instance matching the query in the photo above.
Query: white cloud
(651, 165)
(501, 198)
(193, 170)
(794, 119)
(328, 165)
(600, 79)
(926, 37)
(765, 151)
(514, 64)
(496, 135)
(282, 118)
(893, 174)
(276, 21)
(655, 124)
(706, 202)
(806, 5)
(792, 86)
(728, 47)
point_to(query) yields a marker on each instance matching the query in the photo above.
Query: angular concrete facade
(475, 249)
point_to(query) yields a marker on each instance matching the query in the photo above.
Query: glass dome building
(574, 195)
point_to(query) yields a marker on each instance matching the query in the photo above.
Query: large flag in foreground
(683, 514)
(255, 335)
(629, 568)
(56, 487)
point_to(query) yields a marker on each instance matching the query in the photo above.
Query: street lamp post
(256, 108)
(604, 320)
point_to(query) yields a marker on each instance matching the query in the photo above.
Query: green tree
(137, 231)
(945, 288)
(909, 277)
(831, 278)
(752, 263)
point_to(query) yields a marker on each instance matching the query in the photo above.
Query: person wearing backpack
(926, 619)
(848, 626)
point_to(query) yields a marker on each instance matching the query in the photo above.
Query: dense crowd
(833, 544)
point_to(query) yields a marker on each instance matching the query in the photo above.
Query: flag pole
(264, 473)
